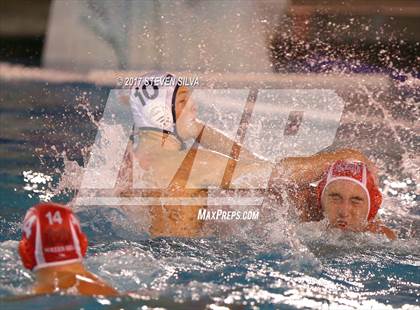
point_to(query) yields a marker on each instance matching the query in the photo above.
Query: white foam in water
(38, 183)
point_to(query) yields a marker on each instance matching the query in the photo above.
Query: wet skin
(73, 277)
(345, 205)
(186, 115)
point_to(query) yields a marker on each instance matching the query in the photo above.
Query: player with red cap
(347, 196)
(53, 246)
(355, 172)
(350, 199)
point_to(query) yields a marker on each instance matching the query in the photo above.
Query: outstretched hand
(304, 170)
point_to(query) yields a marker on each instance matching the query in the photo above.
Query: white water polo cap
(152, 102)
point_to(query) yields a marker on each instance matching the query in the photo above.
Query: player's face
(345, 205)
(186, 113)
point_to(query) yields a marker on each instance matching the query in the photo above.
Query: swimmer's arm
(296, 170)
(305, 200)
(86, 283)
(216, 140)
(93, 285)
(304, 170)
(210, 168)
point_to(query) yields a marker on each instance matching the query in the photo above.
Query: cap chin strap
(173, 109)
(137, 130)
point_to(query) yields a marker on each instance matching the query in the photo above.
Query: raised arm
(210, 167)
(218, 141)
(304, 170)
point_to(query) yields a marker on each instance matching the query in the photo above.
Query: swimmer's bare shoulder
(86, 284)
(377, 227)
(73, 278)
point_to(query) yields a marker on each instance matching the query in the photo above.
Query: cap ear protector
(51, 235)
(26, 252)
(354, 171)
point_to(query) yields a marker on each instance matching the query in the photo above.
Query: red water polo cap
(51, 236)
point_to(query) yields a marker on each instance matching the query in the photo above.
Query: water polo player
(346, 195)
(165, 117)
(53, 246)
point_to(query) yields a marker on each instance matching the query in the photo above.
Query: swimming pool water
(306, 267)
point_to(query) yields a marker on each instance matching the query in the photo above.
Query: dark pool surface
(306, 267)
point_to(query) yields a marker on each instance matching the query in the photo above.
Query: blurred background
(295, 36)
